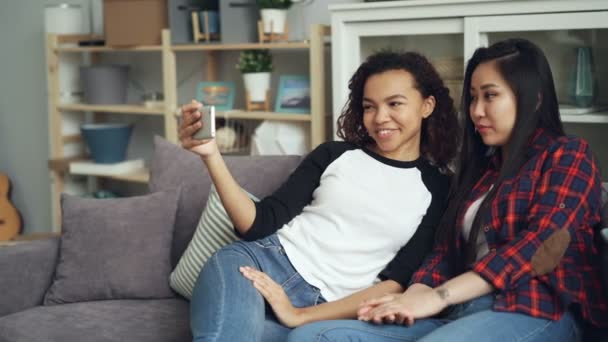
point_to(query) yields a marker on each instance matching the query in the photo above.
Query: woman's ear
(539, 101)
(428, 106)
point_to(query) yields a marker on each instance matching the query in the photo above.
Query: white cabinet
(558, 34)
(453, 29)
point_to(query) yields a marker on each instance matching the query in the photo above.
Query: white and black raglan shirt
(347, 216)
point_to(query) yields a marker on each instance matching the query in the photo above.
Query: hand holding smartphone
(207, 131)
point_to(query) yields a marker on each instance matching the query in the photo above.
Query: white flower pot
(274, 16)
(257, 84)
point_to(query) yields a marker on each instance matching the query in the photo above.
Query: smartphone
(208, 121)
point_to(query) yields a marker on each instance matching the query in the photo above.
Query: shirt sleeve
(412, 254)
(284, 204)
(435, 268)
(564, 206)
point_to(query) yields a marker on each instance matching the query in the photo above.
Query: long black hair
(439, 137)
(525, 69)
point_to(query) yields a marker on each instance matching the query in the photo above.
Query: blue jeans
(226, 307)
(471, 321)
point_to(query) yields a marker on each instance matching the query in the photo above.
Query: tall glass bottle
(582, 86)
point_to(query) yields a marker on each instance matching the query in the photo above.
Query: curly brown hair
(440, 132)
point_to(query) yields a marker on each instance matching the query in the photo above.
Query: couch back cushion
(172, 167)
(116, 248)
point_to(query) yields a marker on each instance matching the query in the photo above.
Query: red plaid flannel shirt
(558, 190)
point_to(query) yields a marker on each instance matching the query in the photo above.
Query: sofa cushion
(214, 231)
(114, 248)
(26, 272)
(173, 167)
(162, 320)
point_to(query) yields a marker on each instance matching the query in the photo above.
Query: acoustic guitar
(10, 220)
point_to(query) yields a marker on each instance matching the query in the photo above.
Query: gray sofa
(26, 270)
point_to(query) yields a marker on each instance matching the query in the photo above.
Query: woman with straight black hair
(514, 259)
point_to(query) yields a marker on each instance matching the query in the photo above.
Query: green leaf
(255, 61)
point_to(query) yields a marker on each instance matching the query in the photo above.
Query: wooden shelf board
(142, 48)
(141, 176)
(600, 117)
(244, 115)
(74, 138)
(75, 38)
(130, 109)
(245, 46)
(62, 165)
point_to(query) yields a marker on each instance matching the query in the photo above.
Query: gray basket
(104, 84)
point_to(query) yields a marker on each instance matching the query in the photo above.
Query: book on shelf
(89, 167)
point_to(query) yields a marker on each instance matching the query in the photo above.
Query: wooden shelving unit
(60, 44)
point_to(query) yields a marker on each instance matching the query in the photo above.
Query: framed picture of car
(218, 94)
(293, 94)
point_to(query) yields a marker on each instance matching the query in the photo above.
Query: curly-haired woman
(353, 221)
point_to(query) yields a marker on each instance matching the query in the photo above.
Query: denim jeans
(226, 307)
(471, 321)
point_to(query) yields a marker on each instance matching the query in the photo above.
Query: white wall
(23, 114)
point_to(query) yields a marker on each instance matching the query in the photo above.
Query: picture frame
(293, 94)
(218, 94)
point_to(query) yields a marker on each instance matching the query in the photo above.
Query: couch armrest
(26, 272)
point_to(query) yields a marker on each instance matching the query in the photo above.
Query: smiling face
(493, 106)
(393, 110)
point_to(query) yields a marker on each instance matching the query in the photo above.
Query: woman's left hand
(402, 309)
(286, 313)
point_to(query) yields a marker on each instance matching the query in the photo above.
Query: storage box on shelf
(56, 45)
(134, 22)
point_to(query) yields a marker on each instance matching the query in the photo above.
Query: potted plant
(256, 65)
(274, 13)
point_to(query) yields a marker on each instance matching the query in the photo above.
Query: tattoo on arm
(443, 293)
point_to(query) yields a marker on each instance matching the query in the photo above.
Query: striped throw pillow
(214, 231)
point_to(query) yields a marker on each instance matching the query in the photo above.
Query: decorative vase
(582, 85)
(257, 84)
(104, 84)
(273, 20)
(107, 142)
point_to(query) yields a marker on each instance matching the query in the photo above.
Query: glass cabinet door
(576, 45)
